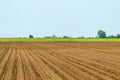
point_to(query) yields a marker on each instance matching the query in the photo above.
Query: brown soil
(59, 61)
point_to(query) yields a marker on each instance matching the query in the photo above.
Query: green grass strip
(59, 40)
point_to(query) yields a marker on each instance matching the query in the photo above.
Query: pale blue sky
(19, 18)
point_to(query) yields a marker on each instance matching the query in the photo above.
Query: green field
(59, 40)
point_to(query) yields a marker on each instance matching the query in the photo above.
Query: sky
(19, 18)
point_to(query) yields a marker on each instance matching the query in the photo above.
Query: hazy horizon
(19, 18)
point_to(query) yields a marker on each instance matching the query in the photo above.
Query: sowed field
(59, 61)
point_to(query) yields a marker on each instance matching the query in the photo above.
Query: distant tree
(81, 37)
(90, 37)
(101, 34)
(112, 36)
(118, 35)
(47, 37)
(31, 36)
(66, 37)
(54, 36)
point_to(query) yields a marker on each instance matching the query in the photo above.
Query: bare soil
(59, 61)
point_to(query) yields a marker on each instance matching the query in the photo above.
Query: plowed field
(59, 61)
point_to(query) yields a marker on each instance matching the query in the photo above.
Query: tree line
(100, 34)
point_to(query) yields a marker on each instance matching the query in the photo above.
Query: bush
(31, 36)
